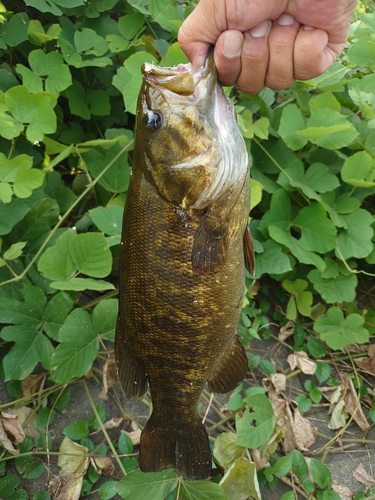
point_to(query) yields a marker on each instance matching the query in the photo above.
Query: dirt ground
(342, 459)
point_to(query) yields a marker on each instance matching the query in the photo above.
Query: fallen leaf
(300, 359)
(109, 376)
(352, 405)
(278, 381)
(135, 434)
(32, 385)
(303, 431)
(338, 416)
(286, 331)
(241, 481)
(113, 423)
(10, 431)
(368, 364)
(103, 464)
(27, 419)
(260, 464)
(343, 491)
(73, 462)
(363, 477)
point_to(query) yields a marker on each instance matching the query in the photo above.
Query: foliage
(69, 81)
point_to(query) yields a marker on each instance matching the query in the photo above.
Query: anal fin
(231, 371)
(132, 378)
(248, 250)
(183, 447)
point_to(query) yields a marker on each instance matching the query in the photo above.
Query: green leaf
(299, 465)
(125, 444)
(27, 312)
(338, 332)
(90, 254)
(117, 177)
(332, 77)
(129, 78)
(291, 121)
(201, 490)
(56, 263)
(329, 129)
(60, 400)
(10, 214)
(42, 495)
(108, 220)
(107, 490)
(77, 430)
(260, 411)
(130, 25)
(15, 30)
(45, 6)
(316, 348)
(299, 251)
(272, 260)
(139, 485)
(34, 470)
(8, 484)
(327, 100)
(30, 347)
(98, 103)
(356, 240)
(80, 284)
(283, 465)
(78, 348)
(9, 127)
(304, 403)
(278, 214)
(226, 450)
(104, 318)
(26, 181)
(241, 481)
(321, 474)
(318, 234)
(323, 372)
(336, 289)
(288, 496)
(362, 52)
(36, 110)
(174, 56)
(55, 314)
(14, 251)
(359, 170)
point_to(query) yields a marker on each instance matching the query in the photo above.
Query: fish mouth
(180, 79)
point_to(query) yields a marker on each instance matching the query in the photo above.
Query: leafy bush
(68, 69)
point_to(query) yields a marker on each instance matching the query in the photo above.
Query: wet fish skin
(182, 264)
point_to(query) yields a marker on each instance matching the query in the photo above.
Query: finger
(313, 54)
(254, 59)
(227, 55)
(280, 72)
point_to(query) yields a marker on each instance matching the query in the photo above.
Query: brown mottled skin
(177, 325)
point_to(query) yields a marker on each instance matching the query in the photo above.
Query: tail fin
(184, 448)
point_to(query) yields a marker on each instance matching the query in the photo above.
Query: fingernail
(285, 20)
(261, 30)
(308, 28)
(232, 46)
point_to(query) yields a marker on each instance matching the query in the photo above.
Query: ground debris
(363, 477)
(300, 359)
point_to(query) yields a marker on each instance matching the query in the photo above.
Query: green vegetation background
(69, 80)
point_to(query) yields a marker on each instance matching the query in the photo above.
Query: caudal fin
(184, 448)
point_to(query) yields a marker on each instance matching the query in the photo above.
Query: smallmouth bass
(185, 243)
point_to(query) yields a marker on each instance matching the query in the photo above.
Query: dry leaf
(368, 364)
(286, 331)
(276, 382)
(303, 431)
(135, 434)
(103, 464)
(352, 405)
(332, 394)
(27, 419)
(33, 384)
(255, 455)
(109, 377)
(343, 491)
(338, 416)
(300, 359)
(10, 431)
(362, 477)
(74, 462)
(113, 423)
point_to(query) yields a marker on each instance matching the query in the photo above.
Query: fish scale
(178, 314)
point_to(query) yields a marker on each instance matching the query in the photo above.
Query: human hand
(267, 42)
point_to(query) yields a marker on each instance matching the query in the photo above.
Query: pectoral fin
(249, 251)
(210, 244)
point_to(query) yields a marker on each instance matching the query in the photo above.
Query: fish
(185, 244)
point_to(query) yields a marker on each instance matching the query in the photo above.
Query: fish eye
(153, 120)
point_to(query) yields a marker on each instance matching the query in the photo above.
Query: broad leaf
(139, 485)
(90, 254)
(241, 481)
(78, 348)
(30, 347)
(318, 234)
(104, 318)
(291, 121)
(339, 332)
(356, 240)
(260, 411)
(201, 490)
